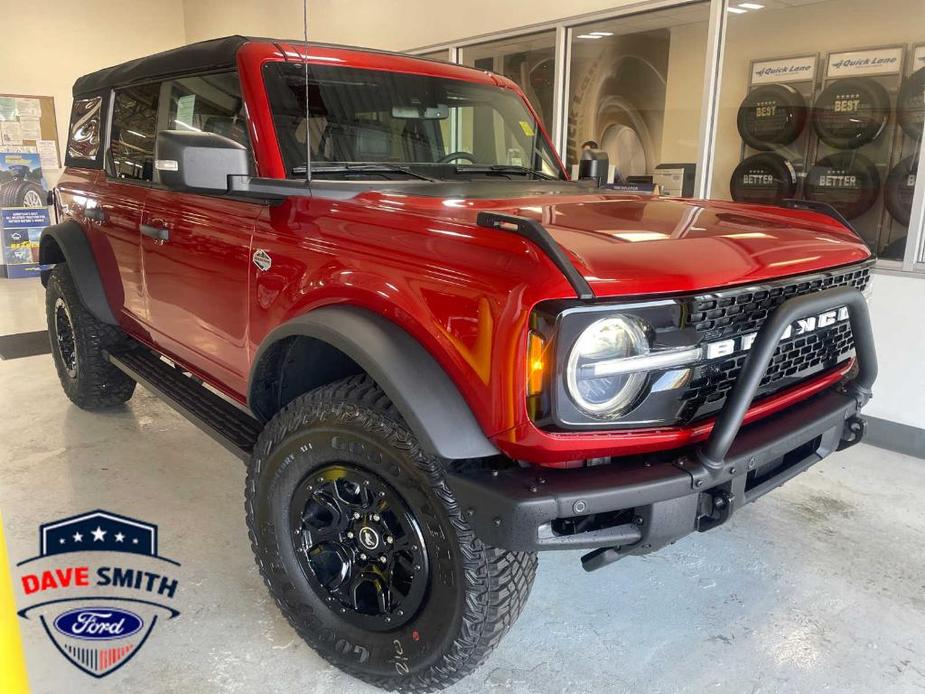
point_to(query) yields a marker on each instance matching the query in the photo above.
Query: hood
(632, 244)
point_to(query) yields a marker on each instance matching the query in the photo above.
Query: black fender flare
(417, 385)
(75, 250)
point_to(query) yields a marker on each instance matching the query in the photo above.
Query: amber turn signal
(536, 363)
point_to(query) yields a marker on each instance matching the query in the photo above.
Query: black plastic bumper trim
(514, 508)
(537, 233)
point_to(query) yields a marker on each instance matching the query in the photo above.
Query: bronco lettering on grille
(723, 348)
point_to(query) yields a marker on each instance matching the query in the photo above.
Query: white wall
(897, 307)
(46, 46)
(388, 24)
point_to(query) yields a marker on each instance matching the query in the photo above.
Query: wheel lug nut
(356, 516)
(362, 556)
(383, 559)
(376, 517)
(401, 613)
(350, 534)
(417, 567)
(390, 539)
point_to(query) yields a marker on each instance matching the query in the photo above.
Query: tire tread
(499, 581)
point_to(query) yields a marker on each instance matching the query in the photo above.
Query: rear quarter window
(85, 135)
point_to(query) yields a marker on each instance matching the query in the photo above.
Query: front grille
(726, 314)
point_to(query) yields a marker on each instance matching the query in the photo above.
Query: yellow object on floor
(13, 679)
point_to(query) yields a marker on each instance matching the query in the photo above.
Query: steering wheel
(452, 156)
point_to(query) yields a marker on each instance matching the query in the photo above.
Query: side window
(134, 125)
(84, 140)
(208, 103)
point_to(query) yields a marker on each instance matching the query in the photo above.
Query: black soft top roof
(196, 57)
(215, 54)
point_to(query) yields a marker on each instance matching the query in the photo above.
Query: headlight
(596, 392)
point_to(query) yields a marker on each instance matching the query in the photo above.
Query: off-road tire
(95, 383)
(352, 421)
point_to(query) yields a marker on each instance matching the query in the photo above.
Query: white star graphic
(98, 534)
(119, 537)
(78, 537)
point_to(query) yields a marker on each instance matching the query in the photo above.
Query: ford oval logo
(98, 623)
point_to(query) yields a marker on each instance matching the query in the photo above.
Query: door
(195, 249)
(121, 192)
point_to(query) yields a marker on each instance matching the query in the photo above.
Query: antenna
(308, 138)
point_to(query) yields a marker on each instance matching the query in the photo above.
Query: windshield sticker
(527, 128)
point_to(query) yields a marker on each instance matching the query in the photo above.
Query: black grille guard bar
(714, 451)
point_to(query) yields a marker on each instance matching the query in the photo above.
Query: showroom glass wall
(659, 86)
(817, 103)
(528, 60)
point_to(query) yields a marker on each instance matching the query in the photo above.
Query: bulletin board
(28, 120)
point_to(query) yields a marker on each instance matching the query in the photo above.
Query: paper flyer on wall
(23, 211)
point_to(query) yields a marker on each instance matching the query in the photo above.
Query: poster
(7, 108)
(28, 107)
(23, 211)
(48, 154)
(10, 133)
(22, 182)
(30, 128)
(21, 231)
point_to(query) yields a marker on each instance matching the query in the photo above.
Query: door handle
(95, 214)
(161, 234)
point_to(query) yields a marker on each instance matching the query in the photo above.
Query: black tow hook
(723, 503)
(853, 433)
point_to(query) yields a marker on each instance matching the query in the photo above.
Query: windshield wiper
(361, 168)
(501, 169)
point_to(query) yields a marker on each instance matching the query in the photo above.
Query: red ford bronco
(369, 276)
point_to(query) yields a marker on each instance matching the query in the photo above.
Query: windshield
(375, 124)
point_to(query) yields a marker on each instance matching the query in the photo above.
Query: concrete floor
(820, 586)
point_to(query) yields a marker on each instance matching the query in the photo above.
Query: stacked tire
(770, 117)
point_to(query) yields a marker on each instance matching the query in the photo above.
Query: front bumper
(636, 505)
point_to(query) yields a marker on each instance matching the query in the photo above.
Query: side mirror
(594, 163)
(198, 162)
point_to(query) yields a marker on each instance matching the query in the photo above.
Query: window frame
(161, 122)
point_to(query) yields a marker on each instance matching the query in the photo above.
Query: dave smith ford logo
(98, 587)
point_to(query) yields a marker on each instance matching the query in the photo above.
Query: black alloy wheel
(359, 546)
(365, 549)
(79, 343)
(64, 337)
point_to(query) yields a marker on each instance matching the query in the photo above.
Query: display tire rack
(899, 189)
(765, 178)
(851, 112)
(770, 116)
(910, 108)
(847, 181)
